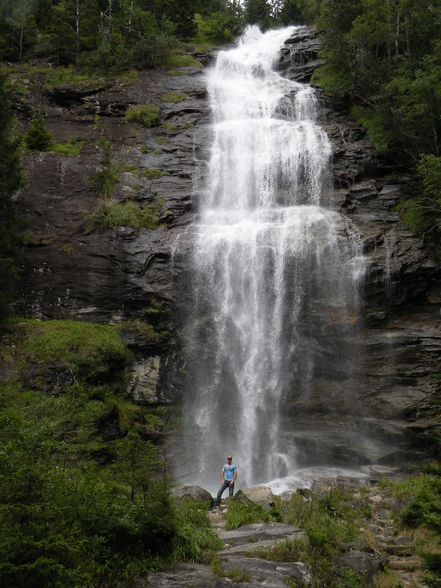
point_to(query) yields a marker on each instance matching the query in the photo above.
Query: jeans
(224, 486)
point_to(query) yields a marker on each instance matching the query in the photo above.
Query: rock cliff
(116, 274)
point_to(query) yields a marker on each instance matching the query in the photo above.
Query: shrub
(239, 514)
(182, 60)
(153, 173)
(174, 97)
(194, 540)
(126, 214)
(77, 345)
(65, 148)
(287, 550)
(147, 115)
(37, 138)
(214, 28)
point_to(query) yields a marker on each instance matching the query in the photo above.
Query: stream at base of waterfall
(269, 262)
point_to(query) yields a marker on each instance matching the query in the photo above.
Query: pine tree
(10, 180)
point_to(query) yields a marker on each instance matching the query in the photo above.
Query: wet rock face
(397, 347)
(109, 274)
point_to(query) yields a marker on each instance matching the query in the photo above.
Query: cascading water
(268, 262)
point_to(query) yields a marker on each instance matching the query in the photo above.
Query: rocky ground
(384, 556)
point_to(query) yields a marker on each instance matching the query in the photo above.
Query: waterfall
(269, 262)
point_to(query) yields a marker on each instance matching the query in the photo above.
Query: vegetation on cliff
(10, 181)
(85, 492)
(384, 58)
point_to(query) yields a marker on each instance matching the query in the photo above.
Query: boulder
(365, 564)
(260, 495)
(143, 382)
(196, 493)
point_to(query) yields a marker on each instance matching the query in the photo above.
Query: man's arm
(222, 475)
(234, 476)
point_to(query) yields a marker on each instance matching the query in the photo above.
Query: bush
(239, 514)
(147, 115)
(215, 28)
(194, 541)
(287, 550)
(79, 346)
(174, 97)
(37, 138)
(152, 173)
(126, 214)
(65, 148)
(182, 60)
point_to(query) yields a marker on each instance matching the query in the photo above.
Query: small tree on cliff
(10, 180)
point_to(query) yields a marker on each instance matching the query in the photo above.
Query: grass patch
(238, 575)
(112, 215)
(154, 335)
(239, 514)
(176, 72)
(69, 149)
(235, 574)
(195, 541)
(79, 346)
(422, 514)
(327, 520)
(287, 550)
(152, 173)
(182, 60)
(174, 97)
(147, 115)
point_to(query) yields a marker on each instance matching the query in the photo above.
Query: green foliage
(174, 97)
(287, 550)
(68, 525)
(239, 513)
(216, 28)
(37, 138)
(238, 575)
(422, 210)
(147, 115)
(108, 35)
(258, 12)
(176, 72)
(84, 497)
(327, 520)
(107, 176)
(79, 346)
(153, 173)
(384, 59)
(422, 493)
(182, 60)
(70, 149)
(10, 181)
(195, 540)
(112, 215)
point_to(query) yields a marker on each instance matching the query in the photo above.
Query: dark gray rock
(196, 493)
(186, 576)
(365, 564)
(260, 495)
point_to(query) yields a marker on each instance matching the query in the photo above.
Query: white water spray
(268, 259)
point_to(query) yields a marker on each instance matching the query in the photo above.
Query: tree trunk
(21, 41)
(110, 22)
(77, 22)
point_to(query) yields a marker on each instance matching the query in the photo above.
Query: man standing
(228, 477)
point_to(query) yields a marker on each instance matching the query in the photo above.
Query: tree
(10, 181)
(258, 12)
(17, 13)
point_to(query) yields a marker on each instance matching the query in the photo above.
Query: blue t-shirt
(229, 472)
